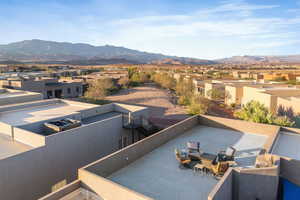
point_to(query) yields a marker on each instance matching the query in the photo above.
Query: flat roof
(39, 113)
(290, 97)
(157, 174)
(8, 147)
(275, 89)
(288, 145)
(9, 93)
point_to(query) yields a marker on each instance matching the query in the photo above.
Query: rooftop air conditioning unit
(62, 125)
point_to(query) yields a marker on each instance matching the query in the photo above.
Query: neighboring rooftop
(42, 137)
(161, 177)
(279, 88)
(35, 112)
(9, 96)
(6, 93)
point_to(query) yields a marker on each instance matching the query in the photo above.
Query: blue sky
(193, 28)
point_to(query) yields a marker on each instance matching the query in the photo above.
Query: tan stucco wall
(107, 189)
(265, 185)
(27, 137)
(247, 183)
(293, 103)
(269, 100)
(272, 98)
(238, 125)
(234, 94)
(63, 191)
(224, 188)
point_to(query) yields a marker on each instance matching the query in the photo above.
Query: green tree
(185, 87)
(256, 112)
(131, 71)
(164, 80)
(183, 100)
(283, 121)
(98, 89)
(135, 78)
(198, 105)
(124, 82)
(217, 94)
(144, 77)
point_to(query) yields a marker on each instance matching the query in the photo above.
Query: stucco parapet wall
(115, 161)
(108, 189)
(290, 169)
(12, 91)
(292, 130)
(18, 106)
(268, 171)
(128, 107)
(227, 186)
(28, 137)
(226, 179)
(271, 131)
(78, 103)
(63, 191)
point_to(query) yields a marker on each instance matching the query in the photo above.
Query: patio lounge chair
(184, 161)
(230, 152)
(193, 146)
(227, 155)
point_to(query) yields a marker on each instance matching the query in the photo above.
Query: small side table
(199, 167)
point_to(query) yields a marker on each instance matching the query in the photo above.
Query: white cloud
(233, 27)
(230, 28)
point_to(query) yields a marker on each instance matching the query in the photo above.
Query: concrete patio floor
(158, 176)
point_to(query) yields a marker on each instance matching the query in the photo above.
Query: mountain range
(260, 59)
(73, 53)
(40, 51)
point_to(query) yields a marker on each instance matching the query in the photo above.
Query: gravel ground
(163, 112)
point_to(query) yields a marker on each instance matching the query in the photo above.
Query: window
(69, 90)
(77, 89)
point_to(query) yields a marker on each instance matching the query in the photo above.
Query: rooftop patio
(158, 176)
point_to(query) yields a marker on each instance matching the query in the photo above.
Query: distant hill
(79, 53)
(260, 59)
(179, 61)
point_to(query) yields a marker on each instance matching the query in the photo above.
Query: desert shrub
(256, 112)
